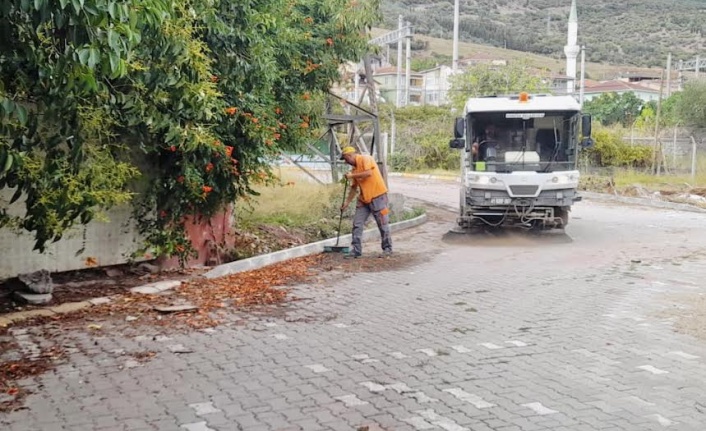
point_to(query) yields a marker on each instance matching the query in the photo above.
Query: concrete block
(33, 298)
(155, 288)
(26, 315)
(100, 301)
(70, 307)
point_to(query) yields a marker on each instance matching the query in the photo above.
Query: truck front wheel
(563, 213)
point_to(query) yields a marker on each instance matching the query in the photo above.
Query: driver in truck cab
(481, 142)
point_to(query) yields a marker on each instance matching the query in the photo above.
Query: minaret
(572, 49)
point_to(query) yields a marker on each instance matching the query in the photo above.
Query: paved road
(509, 332)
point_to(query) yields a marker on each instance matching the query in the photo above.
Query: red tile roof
(392, 70)
(615, 86)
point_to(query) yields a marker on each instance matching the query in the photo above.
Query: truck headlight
(564, 179)
(481, 179)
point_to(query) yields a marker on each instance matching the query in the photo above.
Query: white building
(437, 85)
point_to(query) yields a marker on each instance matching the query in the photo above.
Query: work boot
(352, 256)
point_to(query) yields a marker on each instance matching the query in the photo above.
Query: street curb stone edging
(219, 271)
(65, 308)
(302, 250)
(425, 176)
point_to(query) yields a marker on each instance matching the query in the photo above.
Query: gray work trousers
(379, 209)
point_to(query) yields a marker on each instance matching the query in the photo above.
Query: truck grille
(523, 190)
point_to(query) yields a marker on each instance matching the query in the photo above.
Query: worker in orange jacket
(367, 184)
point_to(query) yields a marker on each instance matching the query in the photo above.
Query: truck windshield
(542, 142)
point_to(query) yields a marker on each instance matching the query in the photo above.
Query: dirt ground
(688, 311)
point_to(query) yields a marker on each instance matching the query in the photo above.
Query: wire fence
(676, 152)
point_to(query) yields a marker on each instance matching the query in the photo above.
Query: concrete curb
(302, 250)
(219, 271)
(599, 197)
(65, 308)
(425, 176)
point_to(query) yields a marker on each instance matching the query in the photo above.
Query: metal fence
(676, 152)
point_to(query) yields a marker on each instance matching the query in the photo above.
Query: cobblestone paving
(507, 332)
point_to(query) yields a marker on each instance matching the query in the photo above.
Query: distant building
(352, 82)
(389, 91)
(558, 83)
(642, 92)
(641, 77)
(437, 85)
(481, 58)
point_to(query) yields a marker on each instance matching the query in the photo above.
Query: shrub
(423, 134)
(611, 151)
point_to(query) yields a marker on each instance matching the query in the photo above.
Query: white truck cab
(519, 160)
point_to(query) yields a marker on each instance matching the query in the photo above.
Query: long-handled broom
(336, 248)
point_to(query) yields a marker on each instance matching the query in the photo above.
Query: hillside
(430, 50)
(635, 32)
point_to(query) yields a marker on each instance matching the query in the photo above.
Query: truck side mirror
(457, 143)
(459, 128)
(586, 126)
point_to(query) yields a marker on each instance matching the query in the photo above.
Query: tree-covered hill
(637, 32)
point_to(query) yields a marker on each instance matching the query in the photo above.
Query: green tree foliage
(422, 140)
(669, 116)
(613, 108)
(610, 150)
(195, 96)
(691, 105)
(485, 80)
(425, 63)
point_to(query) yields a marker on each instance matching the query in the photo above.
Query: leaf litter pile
(210, 299)
(12, 395)
(245, 290)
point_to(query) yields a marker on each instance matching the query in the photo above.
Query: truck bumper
(547, 198)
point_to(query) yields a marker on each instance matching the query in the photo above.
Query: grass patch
(294, 203)
(628, 178)
(624, 179)
(294, 212)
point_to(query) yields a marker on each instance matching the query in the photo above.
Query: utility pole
(408, 68)
(583, 75)
(669, 75)
(393, 132)
(399, 63)
(457, 13)
(549, 24)
(657, 159)
(698, 60)
(372, 98)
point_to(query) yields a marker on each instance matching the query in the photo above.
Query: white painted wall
(109, 243)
